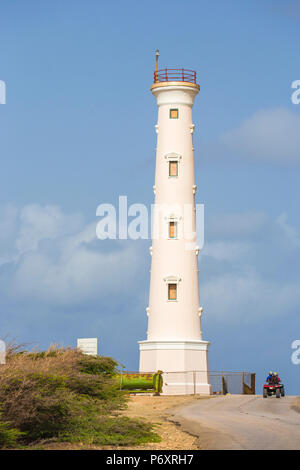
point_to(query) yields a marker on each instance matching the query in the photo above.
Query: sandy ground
(159, 410)
(241, 422)
(296, 404)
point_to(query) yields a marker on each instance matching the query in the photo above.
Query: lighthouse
(174, 341)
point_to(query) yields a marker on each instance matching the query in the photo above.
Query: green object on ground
(136, 382)
(158, 382)
(141, 382)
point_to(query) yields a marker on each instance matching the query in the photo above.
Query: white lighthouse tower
(174, 339)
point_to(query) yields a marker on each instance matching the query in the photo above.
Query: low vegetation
(64, 395)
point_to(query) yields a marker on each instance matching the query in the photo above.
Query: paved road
(242, 422)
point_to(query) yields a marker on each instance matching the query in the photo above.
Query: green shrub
(64, 395)
(98, 365)
(158, 382)
(8, 436)
(118, 430)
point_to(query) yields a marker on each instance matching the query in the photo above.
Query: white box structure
(88, 346)
(174, 337)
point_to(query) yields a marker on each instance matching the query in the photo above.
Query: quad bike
(273, 389)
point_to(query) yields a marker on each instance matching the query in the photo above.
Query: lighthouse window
(173, 168)
(172, 291)
(174, 113)
(173, 230)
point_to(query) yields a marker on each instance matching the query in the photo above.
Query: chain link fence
(233, 382)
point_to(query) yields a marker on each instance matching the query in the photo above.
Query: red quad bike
(273, 389)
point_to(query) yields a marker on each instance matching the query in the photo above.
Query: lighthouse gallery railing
(175, 75)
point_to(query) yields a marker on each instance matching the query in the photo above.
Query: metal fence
(232, 382)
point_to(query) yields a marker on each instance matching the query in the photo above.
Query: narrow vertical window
(173, 230)
(172, 291)
(173, 168)
(174, 114)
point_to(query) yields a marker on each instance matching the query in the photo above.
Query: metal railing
(233, 382)
(175, 75)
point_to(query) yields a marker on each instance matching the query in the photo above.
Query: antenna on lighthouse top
(156, 56)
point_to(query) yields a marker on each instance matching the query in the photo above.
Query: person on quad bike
(273, 386)
(276, 379)
(270, 378)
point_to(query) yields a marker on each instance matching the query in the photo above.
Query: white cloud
(76, 275)
(248, 298)
(271, 135)
(58, 259)
(249, 271)
(290, 232)
(40, 223)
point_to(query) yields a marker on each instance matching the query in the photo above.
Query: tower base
(184, 365)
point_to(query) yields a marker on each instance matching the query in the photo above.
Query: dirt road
(242, 422)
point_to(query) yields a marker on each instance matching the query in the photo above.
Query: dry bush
(64, 394)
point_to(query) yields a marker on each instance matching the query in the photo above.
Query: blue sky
(78, 130)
